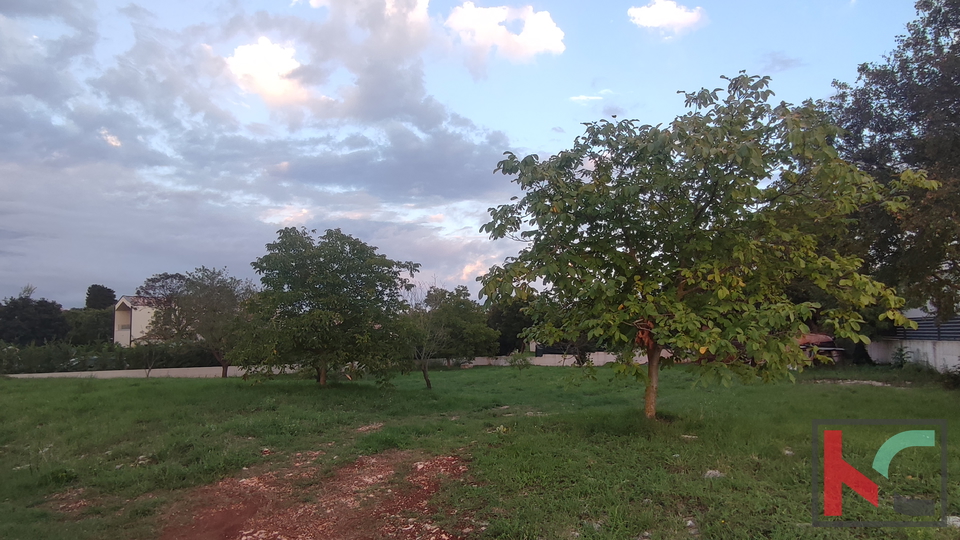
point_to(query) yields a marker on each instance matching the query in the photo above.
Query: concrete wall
(942, 355)
(598, 358)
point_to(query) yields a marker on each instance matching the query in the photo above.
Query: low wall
(942, 355)
(598, 358)
(188, 373)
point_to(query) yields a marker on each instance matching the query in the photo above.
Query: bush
(61, 356)
(520, 360)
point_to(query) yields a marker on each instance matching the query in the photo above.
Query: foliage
(446, 324)
(686, 237)
(520, 360)
(327, 304)
(202, 308)
(89, 326)
(24, 320)
(901, 115)
(163, 286)
(464, 322)
(61, 356)
(901, 357)
(100, 297)
(508, 317)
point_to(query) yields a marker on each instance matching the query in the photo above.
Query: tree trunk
(322, 376)
(653, 373)
(223, 363)
(426, 376)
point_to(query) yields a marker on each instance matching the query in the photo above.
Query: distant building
(132, 316)
(937, 345)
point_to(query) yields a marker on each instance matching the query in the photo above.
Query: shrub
(520, 360)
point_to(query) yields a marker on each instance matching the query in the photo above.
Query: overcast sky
(158, 137)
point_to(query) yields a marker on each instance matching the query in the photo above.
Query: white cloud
(481, 29)
(584, 99)
(665, 15)
(112, 140)
(414, 15)
(263, 68)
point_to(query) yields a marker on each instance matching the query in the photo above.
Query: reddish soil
(365, 500)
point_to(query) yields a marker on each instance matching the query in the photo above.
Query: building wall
(142, 315)
(131, 324)
(942, 355)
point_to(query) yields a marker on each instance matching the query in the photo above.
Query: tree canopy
(446, 324)
(686, 236)
(25, 320)
(203, 308)
(327, 303)
(904, 113)
(100, 297)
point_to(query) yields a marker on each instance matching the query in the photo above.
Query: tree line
(722, 237)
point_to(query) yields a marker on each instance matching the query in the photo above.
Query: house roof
(138, 301)
(815, 339)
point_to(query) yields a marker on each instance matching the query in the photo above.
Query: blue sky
(158, 137)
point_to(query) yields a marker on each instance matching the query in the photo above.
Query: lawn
(550, 455)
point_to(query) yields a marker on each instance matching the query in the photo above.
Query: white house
(132, 316)
(932, 344)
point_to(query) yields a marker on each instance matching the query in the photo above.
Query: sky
(158, 137)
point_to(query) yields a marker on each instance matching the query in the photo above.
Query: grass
(548, 458)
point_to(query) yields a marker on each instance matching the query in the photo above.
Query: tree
(25, 321)
(203, 308)
(163, 290)
(446, 324)
(90, 326)
(100, 297)
(685, 237)
(508, 318)
(328, 303)
(904, 113)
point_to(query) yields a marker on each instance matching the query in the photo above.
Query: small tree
(203, 309)
(685, 237)
(326, 304)
(163, 290)
(446, 324)
(100, 297)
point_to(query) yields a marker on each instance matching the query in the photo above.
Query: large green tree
(100, 297)
(508, 317)
(904, 113)
(327, 303)
(204, 308)
(685, 236)
(25, 320)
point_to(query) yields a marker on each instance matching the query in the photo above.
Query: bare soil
(382, 496)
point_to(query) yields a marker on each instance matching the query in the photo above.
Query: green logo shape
(900, 441)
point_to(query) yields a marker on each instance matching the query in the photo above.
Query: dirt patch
(381, 496)
(850, 381)
(69, 502)
(369, 428)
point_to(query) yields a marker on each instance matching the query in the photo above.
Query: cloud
(264, 68)
(482, 31)
(777, 61)
(665, 15)
(150, 159)
(585, 99)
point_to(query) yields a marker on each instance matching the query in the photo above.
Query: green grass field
(548, 458)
